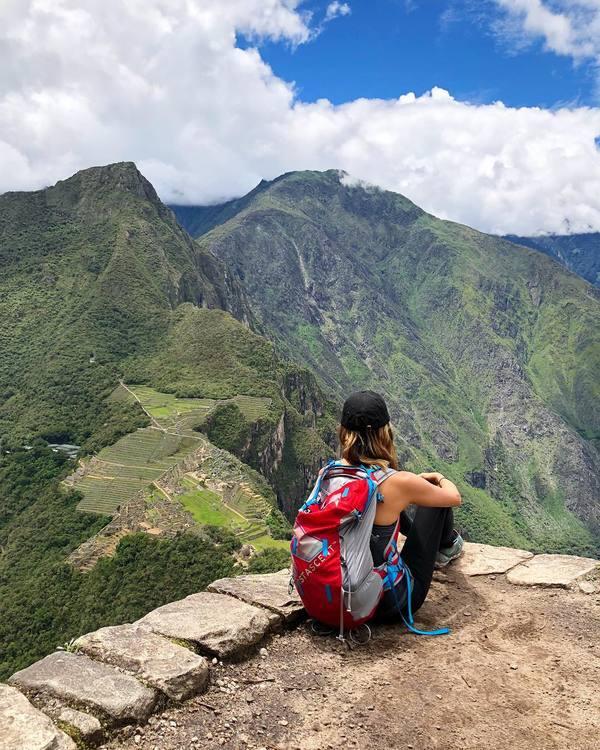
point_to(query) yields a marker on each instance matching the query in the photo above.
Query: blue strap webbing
(338, 469)
(410, 622)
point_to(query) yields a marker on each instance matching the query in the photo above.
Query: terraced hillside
(243, 513)
(207, 487)
(183, 415)
(120, 471)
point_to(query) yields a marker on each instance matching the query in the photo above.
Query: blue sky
(485, 112)
(384, 48)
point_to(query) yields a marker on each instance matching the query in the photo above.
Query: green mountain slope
(487, 352)
(100, 285)
(92, 271)
(579, 253)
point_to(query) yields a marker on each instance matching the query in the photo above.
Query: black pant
(427, 530)
(430, 530)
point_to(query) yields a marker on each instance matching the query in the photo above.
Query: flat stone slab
(484, 559)
(173, 669)
(87, 725)
(589, 587)
(553, 570)
(77, 679)
(269, 590)
(219, 624)
(23, 727)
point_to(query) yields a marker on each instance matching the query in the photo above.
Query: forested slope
(100, 285)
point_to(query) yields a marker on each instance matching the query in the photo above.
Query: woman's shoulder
(385, 467)
(400, 477)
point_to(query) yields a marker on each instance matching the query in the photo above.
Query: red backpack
(332, 564)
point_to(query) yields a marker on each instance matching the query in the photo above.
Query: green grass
(266, 542)
(207, 508)
(166, 408)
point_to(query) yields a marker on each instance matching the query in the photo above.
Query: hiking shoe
(447, 554)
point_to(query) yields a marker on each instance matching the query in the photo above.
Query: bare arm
(429, 489)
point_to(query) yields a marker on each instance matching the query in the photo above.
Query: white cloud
(336, 9)
(161, 82)
(568, 27)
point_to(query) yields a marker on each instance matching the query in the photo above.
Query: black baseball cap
(363, 409)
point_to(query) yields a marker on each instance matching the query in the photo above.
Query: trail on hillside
(520, 670)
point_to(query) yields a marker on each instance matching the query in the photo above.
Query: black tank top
(380, 536)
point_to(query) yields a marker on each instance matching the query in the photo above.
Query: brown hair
(370, 447)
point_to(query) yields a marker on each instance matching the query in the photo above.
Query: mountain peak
(334, 176)
(329, 182)
(120, 176)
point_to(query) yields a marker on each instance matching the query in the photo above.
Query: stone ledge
(268, 590)
(561, 571)
(23, 727)
(78, 680)
(228, 621)
(173, 669)
(217, 624)
(484, 559)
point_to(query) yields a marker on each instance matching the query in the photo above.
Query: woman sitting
(366, 437)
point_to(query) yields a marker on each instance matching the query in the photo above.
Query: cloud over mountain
(166, 85)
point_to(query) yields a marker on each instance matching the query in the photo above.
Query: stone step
(23, 727)
(269, 590)
(562, 571)
(77, 680)
(173, 669)
(217, 624)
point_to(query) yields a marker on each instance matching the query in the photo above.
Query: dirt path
(520, 670)
(155, 423)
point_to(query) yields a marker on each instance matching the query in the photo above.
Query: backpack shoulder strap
(380, 474)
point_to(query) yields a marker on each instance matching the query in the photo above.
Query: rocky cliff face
(579, 253)
(487, 353)
(520, 679)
